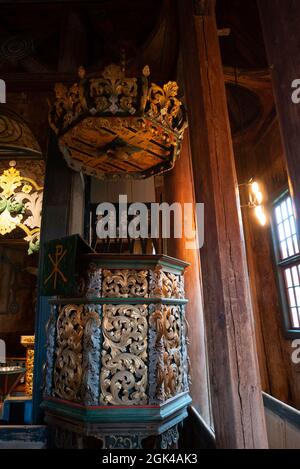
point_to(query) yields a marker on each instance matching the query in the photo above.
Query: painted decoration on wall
(20, 206)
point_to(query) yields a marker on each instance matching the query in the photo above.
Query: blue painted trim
(42, 316)
(27, 407)
(135, 261)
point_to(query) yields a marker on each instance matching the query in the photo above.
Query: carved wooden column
(28, 342)
(280, 22)
(236, 391)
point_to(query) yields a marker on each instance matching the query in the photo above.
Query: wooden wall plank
(179, 187)
(235, 383)
(280, 22)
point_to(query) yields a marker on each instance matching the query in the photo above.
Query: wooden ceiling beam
(203, 7)
(73, 43)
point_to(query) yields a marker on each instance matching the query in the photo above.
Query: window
(288, 260)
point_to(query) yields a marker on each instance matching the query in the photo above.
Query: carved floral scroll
(77, 352)
(125, 283)
(124, 373)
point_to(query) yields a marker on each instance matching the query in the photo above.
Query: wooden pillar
(280, 23)
(55, 224)
(73, 42)
(178, 187)
(235, 384)
(63, 203)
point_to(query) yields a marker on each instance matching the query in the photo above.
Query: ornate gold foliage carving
(125, 283)
(166, 322)
(28, 342)
(20, 206)
(68, 368)
(110, 125)
(114, 93)
(124, 371)
(165, 284)
(163, 102)
(29, 371)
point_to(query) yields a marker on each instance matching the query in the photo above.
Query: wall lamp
(255, 200)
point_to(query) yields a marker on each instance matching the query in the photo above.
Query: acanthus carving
(113, 92)
(130, 441)
(170, 438)
(186, 379)
(163, 102)
(20, 206)
(125, 283)
(165, 284)
(91, 356)
(50, 350)
(124, 355)
(93, 281)
(76, 328)
(166, 345)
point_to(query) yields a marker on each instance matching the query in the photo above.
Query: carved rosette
(124, 373)
(77, 353)
(125, 283)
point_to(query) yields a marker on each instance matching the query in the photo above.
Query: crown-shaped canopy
(112, 126)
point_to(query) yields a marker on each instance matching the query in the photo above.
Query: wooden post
(280, 23)
(235, 384)
(178, 188)
(63, 194)
(55, 224)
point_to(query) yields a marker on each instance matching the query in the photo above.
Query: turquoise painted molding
(110, 414)
(144, 262)
(117, 301)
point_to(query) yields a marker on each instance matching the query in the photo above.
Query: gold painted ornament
(20, 205)
(113, 126)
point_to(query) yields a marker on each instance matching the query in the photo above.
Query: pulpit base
(111, 428)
